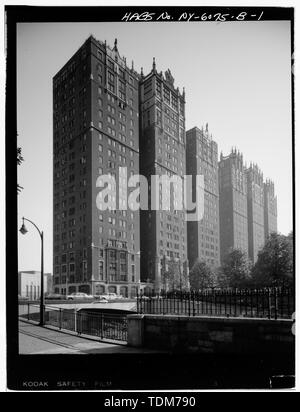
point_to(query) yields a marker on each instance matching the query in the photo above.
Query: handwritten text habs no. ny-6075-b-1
(193, 17)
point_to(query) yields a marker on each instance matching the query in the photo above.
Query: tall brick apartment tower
(233, 203)
(202, 159)
(162, 152)
(255, 201)
(96, 131)
(270, 209)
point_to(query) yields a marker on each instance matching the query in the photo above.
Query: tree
(221, 279)
(236, 269)
(20, 159)
(275, 264)
(201, 276)
(165, 278)
(173, 277)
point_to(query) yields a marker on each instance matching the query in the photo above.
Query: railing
(270, 303)
(29, 311)
(102, 325)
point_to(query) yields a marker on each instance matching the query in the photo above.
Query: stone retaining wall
(211, 335)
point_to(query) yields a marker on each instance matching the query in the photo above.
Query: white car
(79, 295)
(101, 300)
(110, 296)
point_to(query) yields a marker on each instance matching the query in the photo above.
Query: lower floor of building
(99, 288)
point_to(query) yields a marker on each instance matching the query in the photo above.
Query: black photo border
(110, 372)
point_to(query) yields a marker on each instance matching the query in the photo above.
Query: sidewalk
(34, 339)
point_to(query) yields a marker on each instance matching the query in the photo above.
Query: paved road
(34, 339)
(35, 307)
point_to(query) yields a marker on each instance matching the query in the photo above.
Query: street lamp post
(23, 230)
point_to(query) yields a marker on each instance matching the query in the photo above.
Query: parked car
(79, 295)
(23, 297)
(101, 300)
(54, 296)
(111, 296)
(144, 297)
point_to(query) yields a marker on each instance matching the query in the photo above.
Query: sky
(237, 78)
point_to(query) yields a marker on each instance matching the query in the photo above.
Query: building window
(111, 77)
(122, 127)
(111, 131)
(111, 98)
(111, 87)
(111, 120)
(122, 95)
(99, 54)
(101, 273)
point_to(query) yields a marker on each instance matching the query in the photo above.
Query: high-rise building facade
(255, 202)
(162, 152)
(204, 235)
(270, 209)
(96, 132)
(233, 203)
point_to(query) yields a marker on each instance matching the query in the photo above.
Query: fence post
(79, 320)
(194, 313)
(269, 303)
(276, 302)
(235, 302)
(28, 312)
(60, 318)
(102, 326)
(75, 320)
(257, 302)
(251, 302)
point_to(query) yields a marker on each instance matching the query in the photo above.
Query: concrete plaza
(36, 340)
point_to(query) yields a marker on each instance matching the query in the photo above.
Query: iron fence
(29, 311)
(269, 303)
(102, 325)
